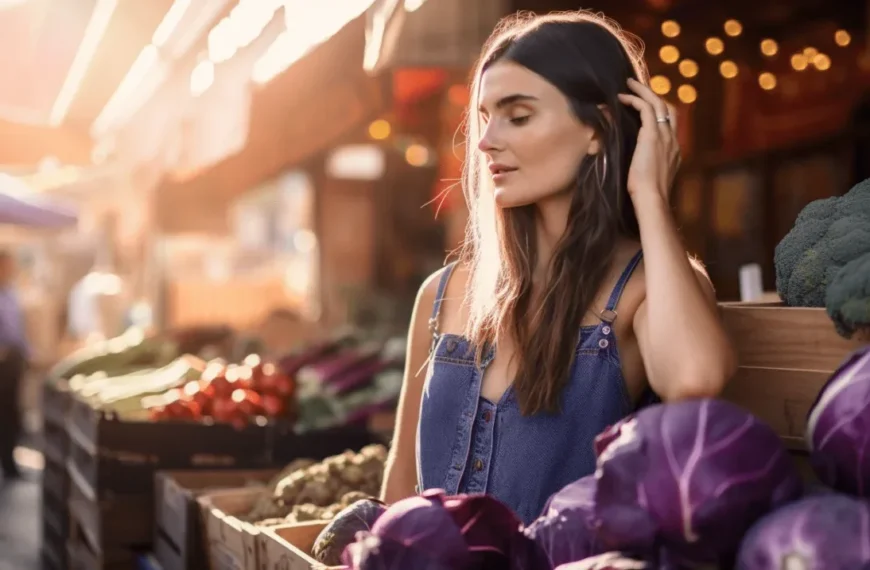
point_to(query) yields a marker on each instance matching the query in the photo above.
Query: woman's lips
(502, 175)
(500, 171)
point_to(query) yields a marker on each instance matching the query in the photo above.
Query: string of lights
(808, 58)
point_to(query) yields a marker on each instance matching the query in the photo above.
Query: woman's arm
(400, 473)
(685, 349)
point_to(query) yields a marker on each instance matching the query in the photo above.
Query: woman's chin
(505, 198)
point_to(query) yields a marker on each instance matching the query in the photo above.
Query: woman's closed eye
(522, 120)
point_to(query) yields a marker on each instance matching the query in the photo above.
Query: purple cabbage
(371, 552)
(694, 475)
(433, 531)
(606, 561)
(493, 534)
(566, 531)
(342, 529)
(838, 427)
(828, 532)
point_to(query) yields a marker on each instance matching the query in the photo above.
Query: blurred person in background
(572, 251)
(13, 359)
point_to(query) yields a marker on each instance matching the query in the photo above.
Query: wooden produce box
(123, 522)
(230, 542)
(118, 456)
(81, 556)
(785, 356)
(288, 547)
(178, 529)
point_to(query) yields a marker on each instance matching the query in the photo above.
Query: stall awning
(304, 111)
(437, 33)
(22, 206)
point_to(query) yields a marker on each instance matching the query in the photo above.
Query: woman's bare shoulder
(428, 292)
(454, 294)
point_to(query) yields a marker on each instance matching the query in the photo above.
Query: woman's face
(532, 140)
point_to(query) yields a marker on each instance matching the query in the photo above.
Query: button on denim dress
(468, 444)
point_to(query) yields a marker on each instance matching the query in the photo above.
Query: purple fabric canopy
(21, 206)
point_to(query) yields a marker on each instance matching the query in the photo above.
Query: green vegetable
(848, 297)
(129, 350)
(826, 236)
(124, 394)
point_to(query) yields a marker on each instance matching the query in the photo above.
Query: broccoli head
(848, 297)
(827, 235)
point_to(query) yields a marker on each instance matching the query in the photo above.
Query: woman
(551, 326)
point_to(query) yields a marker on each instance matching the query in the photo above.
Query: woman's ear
(594, 145)
(595, 142)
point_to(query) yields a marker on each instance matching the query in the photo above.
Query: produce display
(228, 393)
(307, 491)
(565, 530)
(822, 531)
(838, 427)
(134, 351)
(824, 261)
(434, 531)
(341, 530)
(847, 299)
(607, 561)
(348, 383)
(334, 382)
(123, 394)
(693, 485)
(129, 352)
(688, 479)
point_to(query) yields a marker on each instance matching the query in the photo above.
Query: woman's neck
(551, 221)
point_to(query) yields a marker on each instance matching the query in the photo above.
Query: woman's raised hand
(656, 159)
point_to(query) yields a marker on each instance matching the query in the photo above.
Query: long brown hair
(589, 59)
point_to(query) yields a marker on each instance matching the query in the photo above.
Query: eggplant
(355, 377)
(322, 372)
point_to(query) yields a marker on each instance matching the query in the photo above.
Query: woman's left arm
(685, 349)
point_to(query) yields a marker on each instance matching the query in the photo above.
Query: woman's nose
(487, 142)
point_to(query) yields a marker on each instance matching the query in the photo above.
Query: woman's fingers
(672, 113)
(663, 112)
(647, 114)
(647, 95)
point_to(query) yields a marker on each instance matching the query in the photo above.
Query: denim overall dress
(468, 444)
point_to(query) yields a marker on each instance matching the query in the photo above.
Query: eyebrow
(510, 100)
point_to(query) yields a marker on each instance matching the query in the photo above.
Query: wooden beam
(314, 105)
(130, 30)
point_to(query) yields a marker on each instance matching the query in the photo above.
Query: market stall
(771, 475)
(119, 411)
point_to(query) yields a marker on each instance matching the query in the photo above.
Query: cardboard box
(785, 356)
(178, 528)
(288, 547)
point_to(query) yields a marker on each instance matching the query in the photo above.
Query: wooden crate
(178, 531)
(230, 542)
(82, 554)
(785, 355)
(118, 456)
(288, 547)
(53, 547)
(109, 524)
